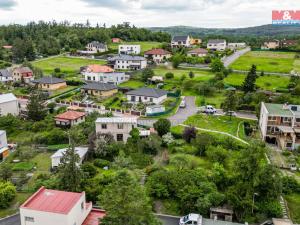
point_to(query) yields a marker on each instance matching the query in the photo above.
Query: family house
(198, 52)
(101, 90)
(50, 83)
(52, 207)
(104, 74)
(129, 49)
(237, 45)
(271, 44)
(158, 55)
(180, 41)
(116, 40)
(57, 156)
(288, 43)
(22, 73)
(69, 118)
(280, 124)
(9, 105)
(216, 44)
(119, 127)
(147, 95)
(96, 46)
(4, 150)
(128, 62)
(5, 75)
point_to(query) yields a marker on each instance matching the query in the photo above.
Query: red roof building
(158, 55)
(69, 118)
(200, 52)
(116, 40)
(157, 51)
(99, 69)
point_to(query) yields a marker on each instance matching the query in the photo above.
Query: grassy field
(294, 206)
(145, 45)
(297, 65)
(215, 100)
(66, 64)
(266, 82)
(132, 84)
(280, 62)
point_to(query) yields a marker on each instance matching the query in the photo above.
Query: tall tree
(162, 126)
(217, 65)
(249, 83)
(230, 102)
(126, 202)
(36, 110)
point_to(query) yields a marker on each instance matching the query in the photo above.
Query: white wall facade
(115, 77)
(11, 107)
(124, 64)
(185, 43)
(145, 99)
(5, 79)
(3, 139)
(237, 45)
(263, 120)
(217, 46)
(129, 49)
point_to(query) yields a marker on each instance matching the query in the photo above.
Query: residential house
(180, 41)
(116, 40)
(22, 73)
(128, 62)
(104, 74)
(288, 43)
(154, 109)
(4, 150)
(147, 95)
(57, 156)
(129, 49)
(119, 127)
(216, 44)
(195, 41)
(52, 207)
(9, 105)
(50, 83)
(198, 52)
(271, 44)
(69, 118)
(280, 125)
(5, 75)
(158, 55)
(96, 46)
(101, 90)
(237, 45)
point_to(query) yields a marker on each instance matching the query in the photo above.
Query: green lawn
(215, 100)
(266, 82)
(66, 64)
(293, 202)
(297, 65)
(132, 84)
(281, 62)
(145, 45)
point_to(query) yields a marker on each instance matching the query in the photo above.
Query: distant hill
(258, 31)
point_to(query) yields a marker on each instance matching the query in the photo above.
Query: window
(120, 126)
(119, 137)
(104, 126)
(289, 145)
(297, 120)
(286, 119)
(272, 118)
(29, 219)
(82, 205)
(151, 99)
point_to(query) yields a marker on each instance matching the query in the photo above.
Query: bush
(7, 194)
(272, 209)
(89, 170)
(74, 82)
(162, 126)
(189, 133)
(290, 185)
(100, 163)
(169, 75)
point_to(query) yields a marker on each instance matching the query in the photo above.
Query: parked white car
(182, 103)
(210, 109)
(192, 218)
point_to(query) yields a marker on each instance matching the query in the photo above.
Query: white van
(182, 103)
(191, 219)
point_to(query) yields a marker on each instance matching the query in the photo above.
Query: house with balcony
(158, 55)
(22, 74)
(280, 125)
(96, 46)
(127, 62)
(53, 207)
(129, 49)
(216, 44)
(181, 41)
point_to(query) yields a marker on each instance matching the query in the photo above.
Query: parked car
(182, 103)
(208, 109)
(192, 218)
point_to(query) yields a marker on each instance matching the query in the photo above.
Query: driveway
(11, 220)
(230, 59)
(168, 220)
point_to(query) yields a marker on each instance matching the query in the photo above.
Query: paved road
(12, 220)
(230, 59)
(168, 220)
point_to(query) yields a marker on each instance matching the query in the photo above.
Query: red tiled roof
(70, 115)
(48, 200)
(23, 70)
(157, 51)
(99, 69)
(94, 216)
(198, 51)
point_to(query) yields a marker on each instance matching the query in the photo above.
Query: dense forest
(49, 38)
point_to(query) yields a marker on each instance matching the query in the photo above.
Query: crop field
(279, 62)
(145, 45)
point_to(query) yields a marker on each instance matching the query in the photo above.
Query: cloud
(7, 4)
(114, 4)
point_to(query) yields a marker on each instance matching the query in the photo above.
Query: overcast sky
(146, 13)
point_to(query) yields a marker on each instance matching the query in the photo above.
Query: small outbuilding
(57, 156)
(50, 83)
(69, 118)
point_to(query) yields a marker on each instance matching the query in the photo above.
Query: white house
(237, 45)
(216, 44)
(147, 95)
(197, 52)
(154, 109)
(5, 75)
(128, 62)
(129, 49)
(4, 150)
(181, 41)
(158, 55)
(57, 156)
(119, 127)
(96, 46)
(9, 105)
(103, 74)
(52, 207)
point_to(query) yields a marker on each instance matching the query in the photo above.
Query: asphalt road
(230, 59)
(168, 220)
(12, 220)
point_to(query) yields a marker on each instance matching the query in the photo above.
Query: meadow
(145, 45)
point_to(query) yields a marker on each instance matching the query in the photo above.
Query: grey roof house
(147, 95)
(50, 83)
(5, 75)
(127, 62)
(178, 41)
(99, 89)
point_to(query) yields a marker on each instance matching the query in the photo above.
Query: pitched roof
(5, 73)
(7, 97)
(127, 58)
(99, 69)
(70, 115)
(47, 200)
(116, 120)
(23, 70)
(49, 80)
(216, 41)
(149, 92)
(198, 51)
(81, 151)
(98, 44)
(157, 51)
(99, 86)
(180, 38)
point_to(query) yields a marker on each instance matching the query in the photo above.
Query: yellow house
(50, 83)
(195, 41)
(101, 90)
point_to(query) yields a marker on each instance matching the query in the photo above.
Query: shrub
(7, 194)
(189, 133)
(290, 185)
(169, 75)
(89, 170)
(100, 163)
(162, 126)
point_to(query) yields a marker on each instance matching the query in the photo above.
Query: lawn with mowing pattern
(278, 62)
